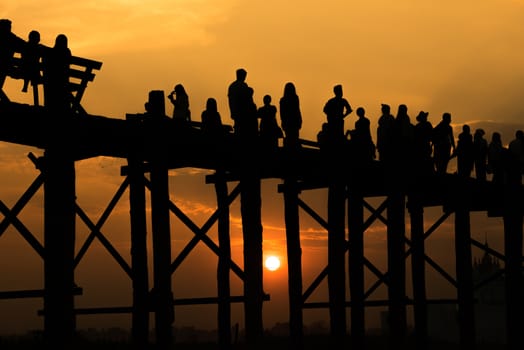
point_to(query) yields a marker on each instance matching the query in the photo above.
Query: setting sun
(272, 263)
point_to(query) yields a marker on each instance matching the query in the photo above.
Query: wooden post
(59, 243)
(356, 266)
(396, 268)
(250, 207)
(418, 271)
(162, 290)
(464, 270)
(336, 261)
(139, 265)
(224, 264)
(512, 216)
(294, 256)
(59, 206)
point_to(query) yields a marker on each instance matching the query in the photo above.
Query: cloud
(114, 25)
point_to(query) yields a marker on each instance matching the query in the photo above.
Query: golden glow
(272, 263)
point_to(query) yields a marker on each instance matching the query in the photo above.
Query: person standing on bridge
(443, 143)
(465, 152)
(290, 116)
(385, 134)
(56, 68)
(480, 154)
(237, 94)
(423, 147)
(270, 132)
(180, 101)
(497, 156)
(362, 146)
(336, 110)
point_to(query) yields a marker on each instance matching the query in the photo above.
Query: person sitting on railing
(9, 44)
(30, 61)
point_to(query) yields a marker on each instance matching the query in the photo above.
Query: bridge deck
(87, 136)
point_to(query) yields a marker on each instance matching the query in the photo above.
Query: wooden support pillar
(59, 243)
(294, 256)
(162, 295)
(336, 261)
(396, 268)
(139, 265)
(224, 265)
(464, 269)
(250, 207)
(356, 267)
(513, 211)
(418, 272)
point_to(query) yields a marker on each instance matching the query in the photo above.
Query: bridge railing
(81, 72)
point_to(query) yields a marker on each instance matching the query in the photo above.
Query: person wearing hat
(443, 143)
(423, 144)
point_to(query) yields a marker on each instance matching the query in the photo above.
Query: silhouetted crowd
(420, 147)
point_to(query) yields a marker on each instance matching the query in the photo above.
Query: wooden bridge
(153, 143)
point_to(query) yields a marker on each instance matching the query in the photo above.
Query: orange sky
(464, 57)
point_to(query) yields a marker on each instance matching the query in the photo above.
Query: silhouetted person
(480, 154)
(212, 127)
(515, 164)
(270, 132)
(247, 122)
(336, 110)
(496, 158)
(464, 152)
(30, 61)
(323, 136)
(362, 146)
(290, 116)
(9, 44)
(423, 145)
(443, 143)
(237, 93)
(180, 101)
(56, 67)
(385, 134)
(404, 135)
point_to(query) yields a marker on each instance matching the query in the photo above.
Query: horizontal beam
(34, 293)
